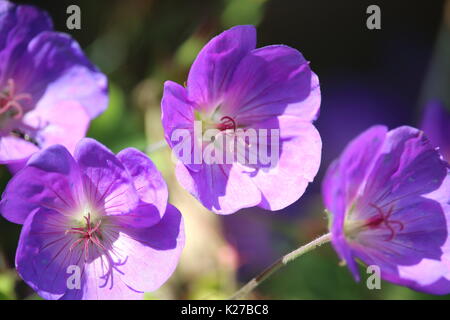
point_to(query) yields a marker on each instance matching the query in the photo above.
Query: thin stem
(284, 260)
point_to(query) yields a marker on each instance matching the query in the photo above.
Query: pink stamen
(227, 123)
(88, 235)
(384, 218)
(11, 101)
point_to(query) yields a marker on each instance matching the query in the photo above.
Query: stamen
(384, 218)
(227, 123)
(11, 102)
(88, 235)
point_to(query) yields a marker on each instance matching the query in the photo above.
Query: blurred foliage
(141, 43)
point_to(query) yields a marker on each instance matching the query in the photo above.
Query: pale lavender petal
(156, 249)
(286, 180)
(14, 149)
(222, 188)
(64, 123)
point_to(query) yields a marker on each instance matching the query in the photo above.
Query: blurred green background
(367, 77)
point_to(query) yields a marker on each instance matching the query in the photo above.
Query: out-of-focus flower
(436, 125)
(49, 91)
(259, 99)
(388, 196)
(102, 217)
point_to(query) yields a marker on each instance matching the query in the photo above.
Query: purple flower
(95, 215)
(233, 90)
(389, 199)
(49, 91)
(436, 125)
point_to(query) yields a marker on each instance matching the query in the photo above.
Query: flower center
(89, 233)
(216, 121)
(382, 219)
(11, 103)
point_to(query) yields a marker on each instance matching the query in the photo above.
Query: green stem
(284, 260)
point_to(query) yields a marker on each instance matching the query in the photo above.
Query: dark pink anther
(11, 101)
(87, 234)
(384, 218)
(227, 123)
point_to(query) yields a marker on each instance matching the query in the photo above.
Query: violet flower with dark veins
(260, 99)
(389, 199)
(95, 215)
(49, 91)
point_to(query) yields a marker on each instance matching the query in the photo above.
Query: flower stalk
(284, 260)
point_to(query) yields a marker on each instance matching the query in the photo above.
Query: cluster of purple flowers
(98, 225)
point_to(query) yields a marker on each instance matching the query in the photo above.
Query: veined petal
(137, 260)
(50, 180)
(285, 181)
(150, 186)
(346, 176)
(43, 254)
(54, 69)
(18, 26)
(178, 123)
(269, 82)
(222, 188)
(212, 70)
(156, 249)
(408, 166)
(107, 183)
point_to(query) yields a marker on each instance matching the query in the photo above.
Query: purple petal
(436, 124)
(223, 189)
(107, 183)
(178, 114)
(156, 250)
(285, 182)
(54, 69)
(139, 260)
(50, 180)
(431, 275)
(342, 181)
(345, 176)
(401, 177)
(18, 25)
(150, 186)
(213, 68)
(43, 254)
(271, 81)
(422, 236)
(408, 165)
